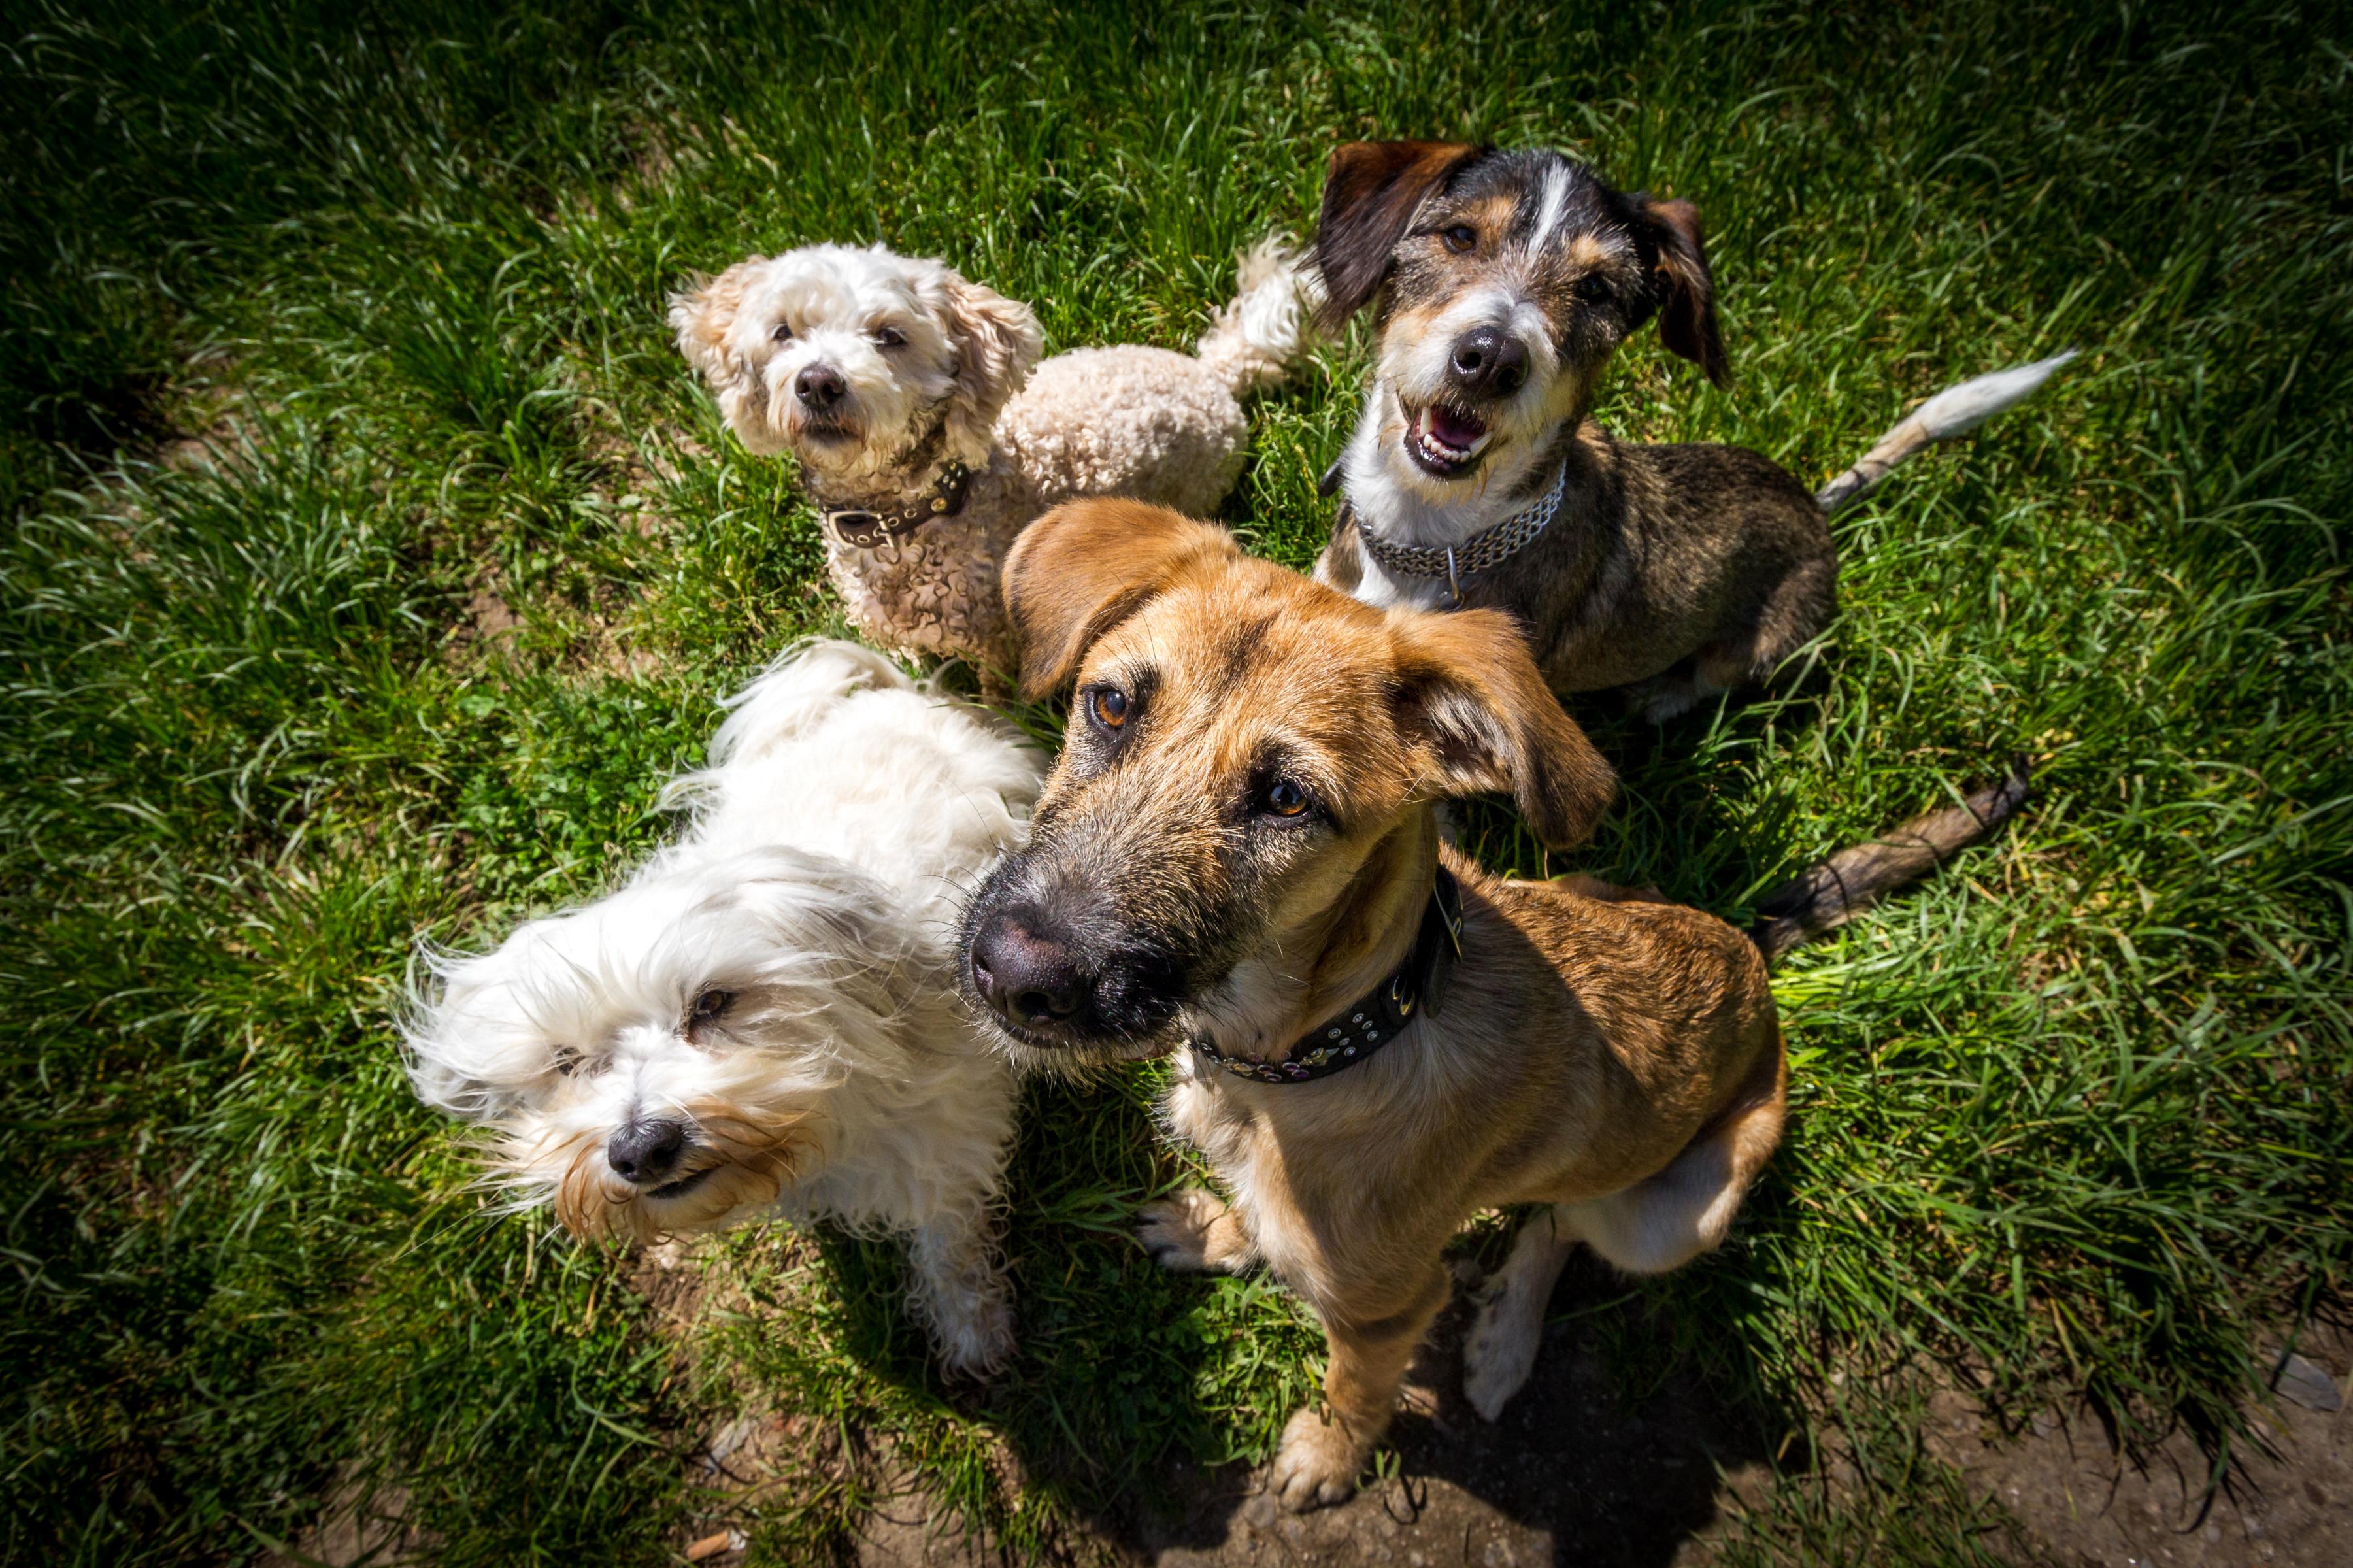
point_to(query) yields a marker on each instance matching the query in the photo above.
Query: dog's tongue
(1460, 431)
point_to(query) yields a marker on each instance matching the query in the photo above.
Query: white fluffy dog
(764, 1020)
(906, 393)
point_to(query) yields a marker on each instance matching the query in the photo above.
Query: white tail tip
(1256, 336)
(1959, 409)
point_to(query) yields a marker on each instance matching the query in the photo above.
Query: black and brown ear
(1087, 565)
(1370, 194)
(1686, 288)
(1470, 693)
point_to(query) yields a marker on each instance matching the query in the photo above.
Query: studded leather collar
(1483, 551)
(1378, 1016)
(865, 528)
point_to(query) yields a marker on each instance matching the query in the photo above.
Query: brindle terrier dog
(1506, 280)
(1238, 858)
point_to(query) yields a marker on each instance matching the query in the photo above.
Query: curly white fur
(846, 810)
(914, 367)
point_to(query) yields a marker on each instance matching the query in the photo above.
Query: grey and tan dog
(1504, 282)
(1237, 858)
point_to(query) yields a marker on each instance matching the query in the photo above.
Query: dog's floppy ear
(1686, 287)
(702, 316)
(1470, 693)
(1088, 565)
(1370, 194)
(997, 342)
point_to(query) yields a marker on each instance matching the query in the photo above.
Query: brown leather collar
(865, 528)
(1354, 1033)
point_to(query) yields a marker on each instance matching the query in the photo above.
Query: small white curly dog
(908, 395)
(763, 1021)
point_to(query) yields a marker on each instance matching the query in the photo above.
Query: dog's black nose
(646, 1151)
(819, 387)
(1025, 977)
(1488, 362)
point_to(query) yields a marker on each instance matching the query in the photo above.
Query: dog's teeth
(1440, 450)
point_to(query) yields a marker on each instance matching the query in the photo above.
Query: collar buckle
(863, 529)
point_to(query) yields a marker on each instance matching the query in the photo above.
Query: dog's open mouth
(684, 1185)
(1444, 441)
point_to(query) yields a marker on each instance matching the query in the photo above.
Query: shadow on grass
(1617, 1463)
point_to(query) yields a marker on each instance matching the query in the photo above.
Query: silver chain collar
(1483, 551)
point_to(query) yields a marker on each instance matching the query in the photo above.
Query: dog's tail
(791, 695)
(1268, 321)
(1956, 411)
(1828, 894)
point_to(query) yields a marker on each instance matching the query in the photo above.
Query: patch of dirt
(909, 1528)
(2083, 1502)
(605, 648)
(637, 462)
(1569, 1475)
(675, 1277)
(597, 639)
(492, 619)
(357, 1527)
(742, 1463)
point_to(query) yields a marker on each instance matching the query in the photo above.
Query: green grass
(2073, 1118)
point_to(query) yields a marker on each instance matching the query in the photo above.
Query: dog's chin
(828, 443)
(717, 1193)
(705, 1201)
(673, 1192)
(1073, 1054)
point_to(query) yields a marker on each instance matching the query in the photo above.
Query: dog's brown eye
(1461, 238)
(708, 1008)
(1110, 705)
(1285, 798)
(1593, 289)
(568, 1061)
(888, 337)
(783, 333)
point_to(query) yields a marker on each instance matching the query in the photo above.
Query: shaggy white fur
(877, 370)
(762, 1021)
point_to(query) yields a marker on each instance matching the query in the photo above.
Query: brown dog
(1239, 853)
(1505, 281)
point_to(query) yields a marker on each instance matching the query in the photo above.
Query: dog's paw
(1659, 703)
(1176, 1231)
(981, 1339)
(1317, 1463)
(1500, 1351)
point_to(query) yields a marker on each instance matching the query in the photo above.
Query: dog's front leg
(1325, 1450)
(1195, 1230)
(1500, 1351)
(960, 1291)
